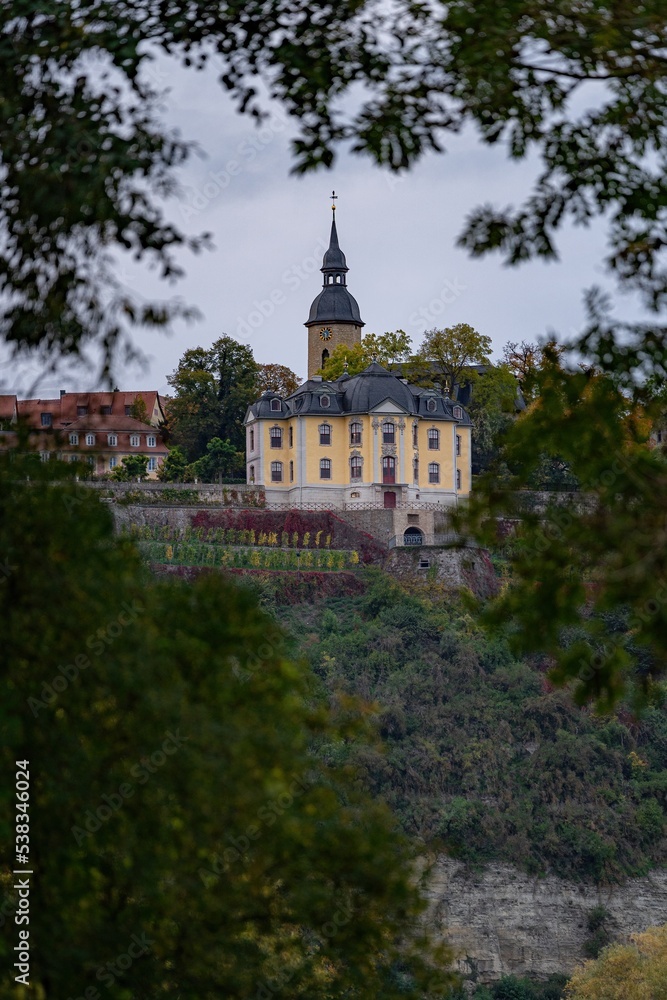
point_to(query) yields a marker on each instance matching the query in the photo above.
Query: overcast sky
(270, 230)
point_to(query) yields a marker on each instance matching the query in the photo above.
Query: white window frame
(74, 438)
(113, 462)
(90, 439)
(151, 441)
(152, 464)
(112, 440)
(135, 441)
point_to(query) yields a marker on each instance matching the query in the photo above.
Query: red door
(389, 499)
(388, 469)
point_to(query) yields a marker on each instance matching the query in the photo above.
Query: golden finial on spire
(334, 199)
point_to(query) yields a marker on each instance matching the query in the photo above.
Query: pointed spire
(334, 266)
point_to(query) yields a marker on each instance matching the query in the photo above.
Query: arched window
(458, 479)
(415, 471)
(325, 355)
(252, 473)
(275, 405)
(325, 402)
(458, 413)
(458, 444)
(415, 435)
(413, 536)
(355, 467)
(434, 473)
(325, 468)
(355, 432)
(276, 436)
(388, 469)
(433, 439)
(276, 472)
(431, 405)
(252, 439)
(325, 434)
(388, 433)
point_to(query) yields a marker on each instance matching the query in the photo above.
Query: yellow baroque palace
(370, 439)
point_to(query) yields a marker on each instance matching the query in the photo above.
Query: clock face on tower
(325, 334)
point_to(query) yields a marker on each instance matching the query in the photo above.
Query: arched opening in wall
(325, 355)
(413, 536)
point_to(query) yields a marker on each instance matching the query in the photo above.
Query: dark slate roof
(334, 304)
(360, 393)
(334, 258)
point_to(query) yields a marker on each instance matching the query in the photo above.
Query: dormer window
(275, 405)
(134, 440)
(150, 441)
(458, 413)
(431, 405)
(112, 440)
(74, 438)
(81, 411)
(325, 402)
(46, 419)
(90, 439)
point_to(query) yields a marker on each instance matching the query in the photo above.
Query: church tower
(334, 315)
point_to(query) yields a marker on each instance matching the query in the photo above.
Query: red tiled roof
(110, 422)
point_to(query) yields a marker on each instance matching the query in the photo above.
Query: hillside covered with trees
(479, 754)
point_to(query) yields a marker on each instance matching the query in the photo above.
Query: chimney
(62, 392)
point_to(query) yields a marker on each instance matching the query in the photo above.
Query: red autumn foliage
(289, 586)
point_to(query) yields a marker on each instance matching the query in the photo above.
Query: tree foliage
(85, 156)
(277, 378)
(387, 349)
(131, 467)
(571, 568)
(213, 388)
(175, 796)
(635, 971)
(481, 756)
(219, 460)
(454, 352)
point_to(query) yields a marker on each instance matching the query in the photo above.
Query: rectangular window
(152, 464)
(45, 455)
(252, 439)
(105, 411)
(74, 439)
(433, 439)
(458, 444)
(415, 435)
(388, 433)
(291, 472)
(150, 441)
(81, 411)
(325, 468)
(325, 434)
(355, 468)
(113, 462)
(134, 440)
(90, 439)
(458, 479)
(276, 472)
(112, 440)
(434, 473)
(276, 437)
(128, 411)
(291, 437)
(46, 419)
(355, 433)
(74, 458)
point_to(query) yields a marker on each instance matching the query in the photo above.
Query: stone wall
(456, 568)
(501, 921)
(228, 495)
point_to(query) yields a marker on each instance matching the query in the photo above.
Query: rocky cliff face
(501, 921)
